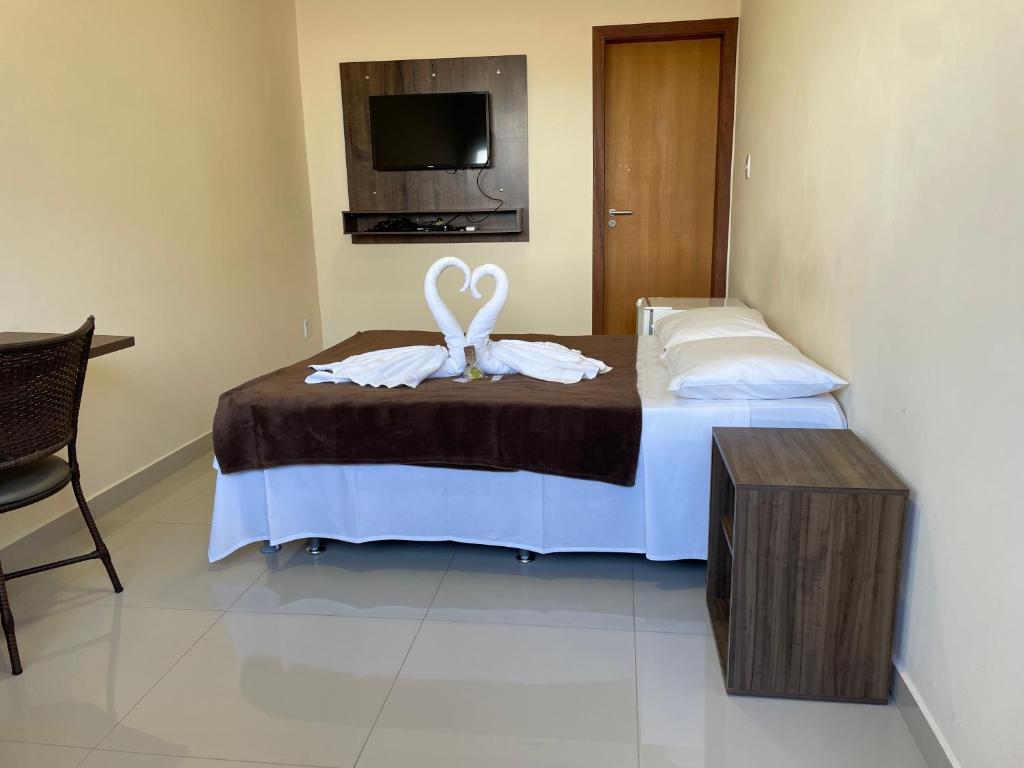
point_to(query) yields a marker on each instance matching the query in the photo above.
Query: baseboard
(108, 499)
(919, 724)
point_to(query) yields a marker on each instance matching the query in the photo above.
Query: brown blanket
(589, 430)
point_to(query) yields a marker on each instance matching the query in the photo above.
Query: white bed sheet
(664, 516)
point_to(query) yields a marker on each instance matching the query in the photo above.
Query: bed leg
(314, 546)
(269, 549)
(525, 556)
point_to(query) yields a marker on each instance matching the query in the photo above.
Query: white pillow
(711, 323)
(745, 368)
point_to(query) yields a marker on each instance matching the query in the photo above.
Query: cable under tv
(406, 224)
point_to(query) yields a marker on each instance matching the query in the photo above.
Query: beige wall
(152, 172)
(550, 275)
(881, 231)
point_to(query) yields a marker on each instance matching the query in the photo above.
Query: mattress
(663, 516)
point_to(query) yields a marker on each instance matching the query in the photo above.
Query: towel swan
(408, 366)
(454, 336)
(480, 327)
(536, 359)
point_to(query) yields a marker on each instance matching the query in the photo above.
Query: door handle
(616, 212)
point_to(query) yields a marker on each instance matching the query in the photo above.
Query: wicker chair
(40, 392)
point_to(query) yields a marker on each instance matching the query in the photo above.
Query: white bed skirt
(664, 516)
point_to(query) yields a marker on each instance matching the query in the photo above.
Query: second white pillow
(711, 323)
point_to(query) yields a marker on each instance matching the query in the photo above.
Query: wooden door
(661, 127)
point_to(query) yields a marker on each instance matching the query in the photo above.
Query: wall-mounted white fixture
(746, 167)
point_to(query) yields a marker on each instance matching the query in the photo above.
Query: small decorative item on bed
(409, 366)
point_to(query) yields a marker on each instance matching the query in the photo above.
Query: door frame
(726, 30)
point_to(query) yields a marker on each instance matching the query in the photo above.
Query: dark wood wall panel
(504, 77)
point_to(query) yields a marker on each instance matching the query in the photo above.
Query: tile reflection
(289, 689)
(687, 720)
(87, 666)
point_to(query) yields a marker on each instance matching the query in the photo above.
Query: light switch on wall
(746, 167)
(307, 329)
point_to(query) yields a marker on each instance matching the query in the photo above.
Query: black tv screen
(427, 131)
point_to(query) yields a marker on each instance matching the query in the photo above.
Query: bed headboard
(652, 308)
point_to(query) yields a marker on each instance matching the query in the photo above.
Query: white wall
(882, 232)
(152, 172)
(550, 275)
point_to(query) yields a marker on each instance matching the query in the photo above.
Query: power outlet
(307, 329)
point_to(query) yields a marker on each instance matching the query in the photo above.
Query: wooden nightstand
(804, 549)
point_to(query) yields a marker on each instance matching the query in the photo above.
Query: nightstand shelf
(727, 525)
(804, 547)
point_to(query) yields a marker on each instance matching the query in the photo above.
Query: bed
(662, 516)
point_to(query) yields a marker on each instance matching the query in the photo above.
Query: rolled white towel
(397, 367)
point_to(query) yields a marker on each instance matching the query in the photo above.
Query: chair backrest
(40, 392)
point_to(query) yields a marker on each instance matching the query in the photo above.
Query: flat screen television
(430, 131)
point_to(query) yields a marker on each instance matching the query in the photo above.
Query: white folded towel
(400, 366)
(544, 360)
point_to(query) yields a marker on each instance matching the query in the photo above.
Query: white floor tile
(165, 566)
(14, 754)
(670, 596)
(156, 502)
(386, 579)
(86, 666)
(675, 677)
(487, 584)
(290, 689)
(474, 695)
(196, 509)
(687, 720)
(103, 759)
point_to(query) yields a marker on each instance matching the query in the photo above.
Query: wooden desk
(101, 345)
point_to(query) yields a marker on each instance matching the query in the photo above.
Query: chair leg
(101, 547)
(7, 622)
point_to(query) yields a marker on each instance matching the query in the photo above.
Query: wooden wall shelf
(424, 193)
(804, 548)
(490, 225)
